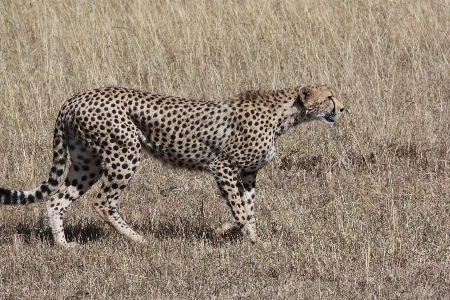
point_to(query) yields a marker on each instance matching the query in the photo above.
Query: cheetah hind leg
(106, 206)
(81, 176)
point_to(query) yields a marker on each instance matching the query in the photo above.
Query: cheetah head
(319, 102)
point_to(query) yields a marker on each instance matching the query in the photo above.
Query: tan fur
(105, 129)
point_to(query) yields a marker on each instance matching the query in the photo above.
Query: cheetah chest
(270, 154)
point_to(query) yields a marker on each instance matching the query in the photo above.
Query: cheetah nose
(342, 109)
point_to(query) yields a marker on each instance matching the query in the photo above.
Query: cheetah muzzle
(105, 130)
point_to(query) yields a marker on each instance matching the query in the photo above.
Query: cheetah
(106, 129)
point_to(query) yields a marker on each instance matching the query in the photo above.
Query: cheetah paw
(226, 229)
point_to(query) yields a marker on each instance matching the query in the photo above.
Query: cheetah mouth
(327, 119)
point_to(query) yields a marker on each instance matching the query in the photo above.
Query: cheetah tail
(13, 197)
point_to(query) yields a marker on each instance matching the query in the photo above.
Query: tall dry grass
(360, 210)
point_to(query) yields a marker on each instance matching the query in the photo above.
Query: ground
(360, 212)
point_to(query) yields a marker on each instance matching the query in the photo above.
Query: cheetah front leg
(247, 193)
(227, 181)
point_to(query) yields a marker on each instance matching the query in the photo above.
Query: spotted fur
(105, 130)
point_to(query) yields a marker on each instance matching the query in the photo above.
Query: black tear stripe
(334, 105)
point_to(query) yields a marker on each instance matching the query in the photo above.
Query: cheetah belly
(197, 157)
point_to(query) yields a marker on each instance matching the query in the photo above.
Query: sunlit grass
(359, 210)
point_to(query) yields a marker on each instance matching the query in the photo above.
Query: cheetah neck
(289, 115)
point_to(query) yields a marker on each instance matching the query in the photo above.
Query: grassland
(357, 211)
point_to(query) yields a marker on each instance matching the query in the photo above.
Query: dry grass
(360, 210)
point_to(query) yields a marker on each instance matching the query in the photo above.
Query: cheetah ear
(303, 93)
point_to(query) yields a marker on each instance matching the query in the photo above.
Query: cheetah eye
(334, 104)
(331, 99)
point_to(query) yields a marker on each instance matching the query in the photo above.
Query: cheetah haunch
(105, 129)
